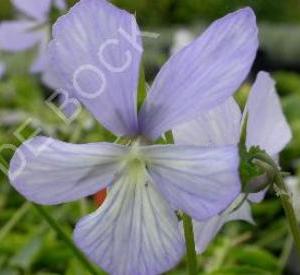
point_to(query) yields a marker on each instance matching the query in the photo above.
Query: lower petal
(134, 232)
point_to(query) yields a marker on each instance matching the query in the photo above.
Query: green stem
(289, 210)
(190, 244)
(285, 200)
(286, 251)
(68, 241)
(188, 229)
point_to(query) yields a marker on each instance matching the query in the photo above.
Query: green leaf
(26, 256)
(142, 87)
(9, 271)
(28, 93)
(75, 268)
(255, 257)
(243, 270)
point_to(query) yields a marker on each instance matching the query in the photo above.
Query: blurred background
(29, 246)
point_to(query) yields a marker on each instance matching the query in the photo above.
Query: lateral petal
(200, 181)
(48, 171)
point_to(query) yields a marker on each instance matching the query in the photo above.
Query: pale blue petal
(60, 4)
(243, 213)
(37, 9)
(48, 171)
(2, 69)
(16, 36)
(40, 63)
(198, 180)
(97, 62)
(267, 126)
(219, 126)
(202, 75)
(206, 231)
(134, 232)
(257, 197)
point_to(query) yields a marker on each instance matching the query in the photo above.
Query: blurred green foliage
(166, 12)
(27, 244)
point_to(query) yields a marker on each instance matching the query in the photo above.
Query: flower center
(135, 162)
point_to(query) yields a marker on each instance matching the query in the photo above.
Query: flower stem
(188, 229)
(190, 244)
(283, 193)
(68, 241)
(289, 210)
(14, 220)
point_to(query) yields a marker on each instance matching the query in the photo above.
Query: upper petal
(18, 35)
(134, 232)
(203, 74)
(96, 53)
(266, 124)
(200, 181)
(219, 126)
(37, 9)
(48, 171)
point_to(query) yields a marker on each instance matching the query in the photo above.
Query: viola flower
(266, 127)
(30, 30)
(96, 54)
